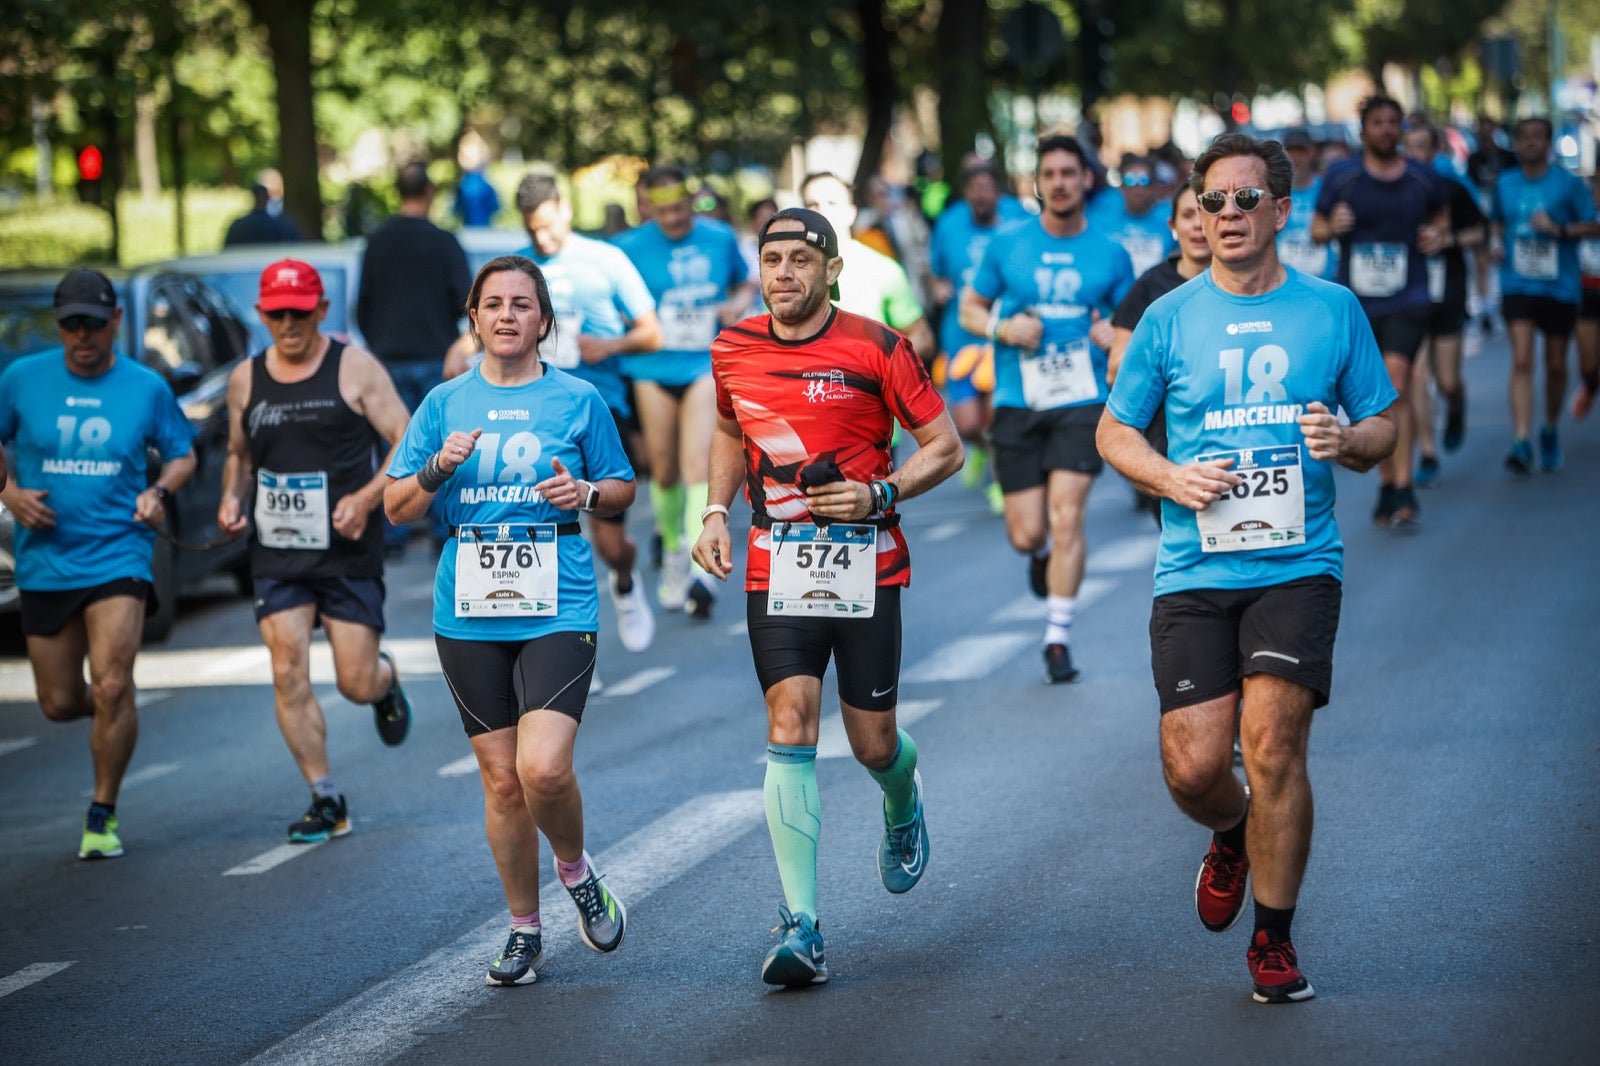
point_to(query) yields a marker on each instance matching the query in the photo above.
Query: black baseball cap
(1298, 138)
(85, 292)
(818, 233)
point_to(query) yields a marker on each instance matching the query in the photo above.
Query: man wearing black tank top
(313, 424)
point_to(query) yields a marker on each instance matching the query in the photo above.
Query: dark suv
(182, 328)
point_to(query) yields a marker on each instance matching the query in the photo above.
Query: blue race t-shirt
(688, 278)
(524, 428)
(1062, 280)
(85, 441)
(595, 290)
(1236, 373)
(955, 251)
(1537, 264)
(1295, 246)
(1147, 238)
(1378, 256)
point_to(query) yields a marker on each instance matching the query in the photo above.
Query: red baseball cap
(292, 284)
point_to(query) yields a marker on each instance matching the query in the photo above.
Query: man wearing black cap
(81, 424)
(1296, 246)
(807, 397)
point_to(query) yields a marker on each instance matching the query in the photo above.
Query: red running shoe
(1276, 971)
(1222, 887)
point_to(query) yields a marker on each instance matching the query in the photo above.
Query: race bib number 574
(830, 570)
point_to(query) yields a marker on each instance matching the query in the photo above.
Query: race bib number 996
(292, 510)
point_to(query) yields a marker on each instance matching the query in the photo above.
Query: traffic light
(91, 166)
(1240, 111)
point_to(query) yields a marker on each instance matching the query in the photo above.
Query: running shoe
(903, 852)
(636, 623)
(655, 551)
(796, 959)
(1037, 569)
(519, 963)
(100, 840)
(1058, 666)
(1383, 514)
(323, 819)
(1583, 401)
(1520, 459)
(1407, 511)
(997, 499)
(1549, 450)
(1455, 423)
(393, 711)
(1222, 887)
(697, 604)
(1427, 472)
(673, 587)
(602, 919)
(1276, 970)
(977, 462)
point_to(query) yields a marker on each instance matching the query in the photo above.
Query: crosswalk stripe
(267, 860)
(467, 764)
(634, 684)
(832, 743)
(1032, 609)
(968, 658)
(30, 975)
(9, 746)
(143, 775)
(382, 1022)
(942, 532)
(1135, 552)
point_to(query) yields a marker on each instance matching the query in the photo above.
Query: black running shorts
(46, 613)
(1401, 332)
(1204, 641)
(344, 599)
(1028, 445)
(1589, 308)
(496, 682)
(1555, 318)
(865, 651)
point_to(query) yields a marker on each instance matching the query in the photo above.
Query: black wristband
(430, 478)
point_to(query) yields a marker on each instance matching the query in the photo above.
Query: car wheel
(164, 569)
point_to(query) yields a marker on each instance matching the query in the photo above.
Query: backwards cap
(818, 233)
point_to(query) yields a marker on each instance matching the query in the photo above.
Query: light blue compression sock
(794, 818)
(896, 781)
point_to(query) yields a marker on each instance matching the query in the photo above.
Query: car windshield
(27, 327)
(242, 286)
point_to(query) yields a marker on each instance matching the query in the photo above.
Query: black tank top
(309, 450)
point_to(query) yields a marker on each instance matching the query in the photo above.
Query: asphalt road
(1450, 912)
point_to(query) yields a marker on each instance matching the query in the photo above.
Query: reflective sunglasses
(1137, 180)
(292, 312)
(78, 323)
(1214, 201)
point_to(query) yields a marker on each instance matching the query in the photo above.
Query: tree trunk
(288, 26)
(144, 145)
(963, 81)
(878, 81)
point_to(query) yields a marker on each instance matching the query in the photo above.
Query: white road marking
(142, 699)
(275, 857)
(467, 764)
(143, 774)
(968, 658)
(738, 629)
(943, 531)
(381, 1023)
(634, 684)
(1137, 552)
(29, 975)
(9, 746)
(833, 744)
(1032, 609)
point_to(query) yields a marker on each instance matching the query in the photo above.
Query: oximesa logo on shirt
(514, 414)
(1235, 328)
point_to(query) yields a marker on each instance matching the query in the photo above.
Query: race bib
(1535, 258)
(1378, 270)
(1059, 375)
(507, 570)
(564, 353)
(1144, 250)
(688, 328)
(1304, 254)
(1436, 274)
(1266, 510)
(292, 510)
(1589, 257)
(816, 570)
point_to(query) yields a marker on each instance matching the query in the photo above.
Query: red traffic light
(90, 164)
(1240, 113)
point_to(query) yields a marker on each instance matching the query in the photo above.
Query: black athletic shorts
(623, 431)
(1548, 315)
(46, 613)
(1449, 316)
(1204, 641)
(496, 682)
(1589, 308)
(344, 599)
(865, 651)
(1401, 332)
(1028, 444)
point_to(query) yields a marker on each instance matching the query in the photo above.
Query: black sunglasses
(78, 323)
(293, 312)
(1214, 201)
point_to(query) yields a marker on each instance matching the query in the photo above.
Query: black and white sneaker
(697, 604)
(519, 963)
(1058, 667)
(393, 712)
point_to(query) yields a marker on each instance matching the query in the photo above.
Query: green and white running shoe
(796, 959)
(100, 840)
(602, 919)
(903, 852)
(519, 963)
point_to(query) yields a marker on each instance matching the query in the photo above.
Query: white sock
(1058, 619)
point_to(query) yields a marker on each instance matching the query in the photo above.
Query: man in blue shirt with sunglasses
(1135, 219)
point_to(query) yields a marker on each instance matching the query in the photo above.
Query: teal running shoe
(903, 852)
(100, 840)
(519, 963)
(325, 818)
(602, 919)
(796, 959)
(1550, 457)
(1519, 460)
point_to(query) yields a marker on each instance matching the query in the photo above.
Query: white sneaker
(673, 588)
(636, 623)
(595, 687)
